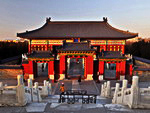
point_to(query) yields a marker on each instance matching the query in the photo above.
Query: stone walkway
(75, 85)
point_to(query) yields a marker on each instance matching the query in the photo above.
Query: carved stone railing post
(114, 100)
(105, 85)
(1, 87)
(20, 91)
(134, 92)
(124, 87)
(31, 88)
(49, 89)
(108, 89)
(45, 88)
(37, 91)
(102, 90)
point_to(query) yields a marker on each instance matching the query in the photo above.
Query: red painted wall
(89, 65)
(101, 67)
(120, 69)
(35, 69)
(130, 69)
(51, 68)
(117, 70)
(28, 68)
(123, 67)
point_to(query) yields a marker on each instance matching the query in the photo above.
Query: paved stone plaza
(67, 108)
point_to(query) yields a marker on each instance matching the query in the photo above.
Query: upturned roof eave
(27, 34)
(96, 38)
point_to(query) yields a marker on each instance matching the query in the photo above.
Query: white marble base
(122, 77)
(101, 77)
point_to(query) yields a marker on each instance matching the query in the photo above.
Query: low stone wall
(142, 68)
(10, 71)
(140, 63)
(106, 90)
(143, 73)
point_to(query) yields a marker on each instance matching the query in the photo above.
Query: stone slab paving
(36, 107)
(75, 85)
(71, 108)
(89, 86)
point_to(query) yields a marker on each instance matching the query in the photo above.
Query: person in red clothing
(77, 60)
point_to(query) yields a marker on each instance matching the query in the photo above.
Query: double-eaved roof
(76, 46)
(40, 54)
(111, 55)
(77, 29)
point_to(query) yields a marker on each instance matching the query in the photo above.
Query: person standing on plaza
(79, 80)
(42, 67)
(62, 88)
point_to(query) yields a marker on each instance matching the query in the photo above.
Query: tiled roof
(111, 54)
(77, 29)
(141, 68)
(76, 46)
(40, 54)
(142, 59)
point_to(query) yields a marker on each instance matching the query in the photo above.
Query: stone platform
(50, 104)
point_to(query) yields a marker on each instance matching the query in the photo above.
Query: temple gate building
(69, 49)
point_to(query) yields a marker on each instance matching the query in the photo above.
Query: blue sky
(21, 15)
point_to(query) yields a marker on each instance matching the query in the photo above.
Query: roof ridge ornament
(48, 19)
(105, 19)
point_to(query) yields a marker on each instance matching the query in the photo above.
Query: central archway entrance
(110, 70)
(75, 68)
(42, 69)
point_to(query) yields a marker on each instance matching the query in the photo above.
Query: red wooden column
(51, 47)
(117, 70)
(30, 67)
(26, 68)
(122, 69)
(101, 70)
(130, 69)
(46, 48)
(62, 68)
(51, 70)
(31, 74)
(122, 49)
(35, 69)
(89, 67)
(29, 46)
(105, 48)
(29, 51)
